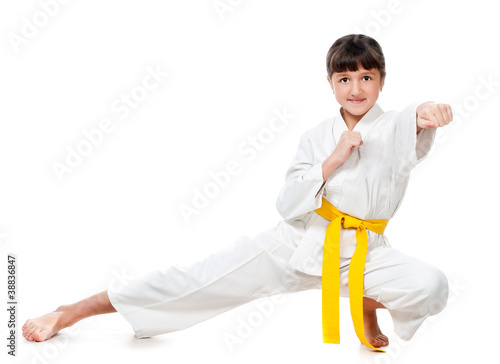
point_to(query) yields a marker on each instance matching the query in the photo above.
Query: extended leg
(177, 297)
(46, 326)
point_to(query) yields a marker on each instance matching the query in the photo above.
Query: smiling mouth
(356, 101)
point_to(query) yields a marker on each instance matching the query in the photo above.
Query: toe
(383, 339)
(26, 331)
(26, 334)
(27, 337)
(29, 333)
(26, 324)
(38, 336)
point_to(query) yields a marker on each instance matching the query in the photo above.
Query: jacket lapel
(363, 126)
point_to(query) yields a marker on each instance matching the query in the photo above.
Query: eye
(342, 80)
(367, 78)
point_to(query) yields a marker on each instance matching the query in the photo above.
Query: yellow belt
(331, 271)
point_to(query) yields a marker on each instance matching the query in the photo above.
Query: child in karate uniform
(358, 163)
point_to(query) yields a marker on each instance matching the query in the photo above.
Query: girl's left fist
(432, 115)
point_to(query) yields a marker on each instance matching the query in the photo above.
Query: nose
(355, 88)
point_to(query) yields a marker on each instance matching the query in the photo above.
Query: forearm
(329, 165)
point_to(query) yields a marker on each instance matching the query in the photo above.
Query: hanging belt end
(331, 339)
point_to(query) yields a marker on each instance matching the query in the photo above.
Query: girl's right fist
(349, 140)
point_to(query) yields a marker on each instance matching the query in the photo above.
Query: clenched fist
(349, 140)
(432, 115)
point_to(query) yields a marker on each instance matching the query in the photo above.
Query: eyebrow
(362, 73)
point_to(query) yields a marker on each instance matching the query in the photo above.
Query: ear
(382, 84)
(330, 82)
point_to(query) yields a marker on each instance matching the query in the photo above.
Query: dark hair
(350, 51)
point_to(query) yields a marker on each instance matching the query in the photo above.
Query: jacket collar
(363, 125)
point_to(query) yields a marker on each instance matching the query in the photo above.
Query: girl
(346, 181)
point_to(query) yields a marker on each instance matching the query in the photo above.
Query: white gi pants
(175, 298)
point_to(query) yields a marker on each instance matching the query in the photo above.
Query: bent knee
(434, 290)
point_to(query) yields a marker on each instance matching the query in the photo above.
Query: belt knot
(350, 222)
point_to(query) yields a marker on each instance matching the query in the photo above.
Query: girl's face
(356, 91)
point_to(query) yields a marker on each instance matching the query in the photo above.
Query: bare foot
(44, 327)
(372, 331)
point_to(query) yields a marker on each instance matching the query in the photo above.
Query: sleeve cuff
(302, 196)
(413, 147)
(315, 174)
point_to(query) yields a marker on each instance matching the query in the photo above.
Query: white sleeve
(304, 185)
(411, 148)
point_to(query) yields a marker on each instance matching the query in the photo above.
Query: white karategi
(288, 258)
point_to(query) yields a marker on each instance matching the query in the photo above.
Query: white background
(117, 214)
